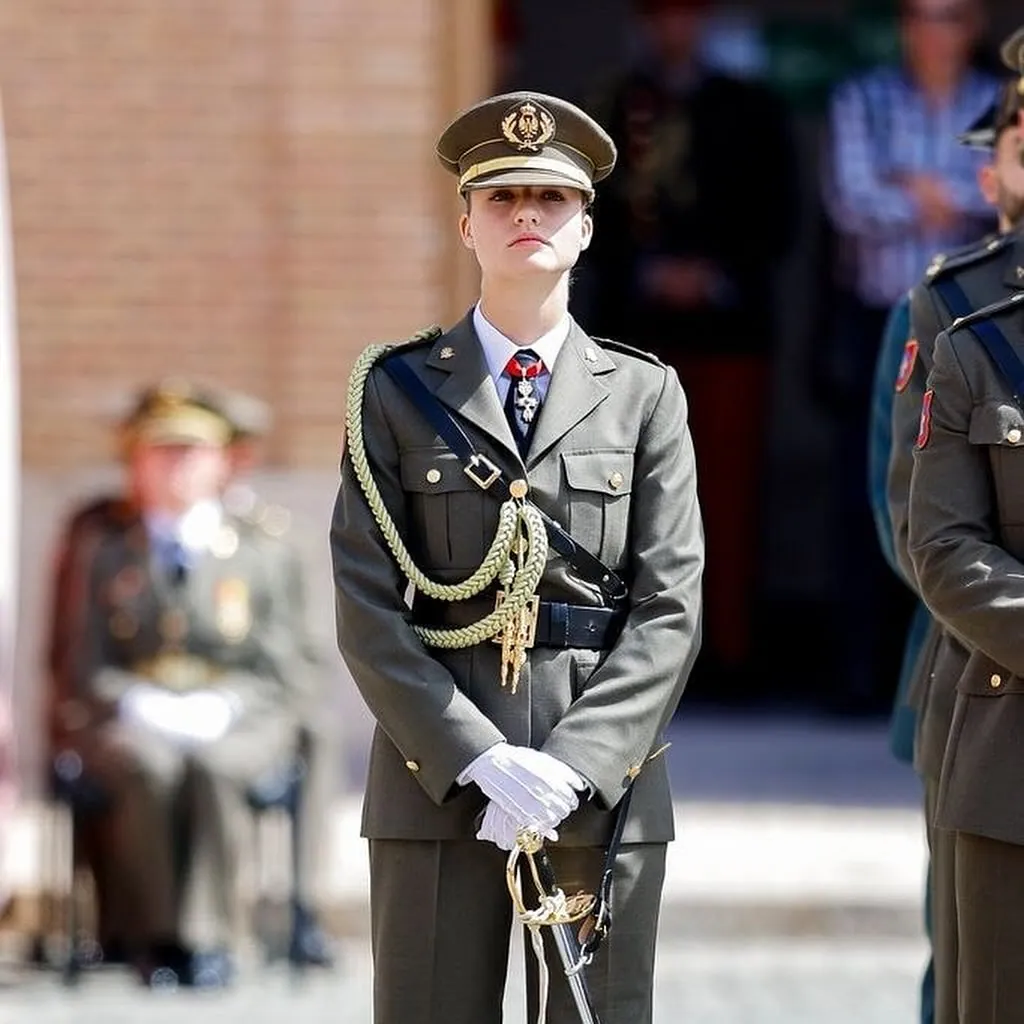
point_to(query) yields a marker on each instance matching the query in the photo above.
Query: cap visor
(525, 176)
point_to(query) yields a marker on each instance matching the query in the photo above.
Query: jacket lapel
(468, 388)
(575, 391)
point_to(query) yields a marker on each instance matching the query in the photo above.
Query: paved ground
(793, 896)
(767, 982)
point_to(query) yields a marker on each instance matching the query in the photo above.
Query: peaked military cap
(177, 412)
(1012, 52)
(984, 132)
(526, 138)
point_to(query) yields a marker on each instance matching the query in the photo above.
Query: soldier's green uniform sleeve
(906, 417)
(618, 718)
(971, 583)
(410, 693)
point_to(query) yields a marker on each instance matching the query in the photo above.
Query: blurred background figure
(699, 212)
(900, 189)
(173, 654)
(10, 497)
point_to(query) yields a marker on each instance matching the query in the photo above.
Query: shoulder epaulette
(1010, 302)
(968, 255)
(427, 336)
(628, 350)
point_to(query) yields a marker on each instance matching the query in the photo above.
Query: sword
(567, 944)
(557, 912)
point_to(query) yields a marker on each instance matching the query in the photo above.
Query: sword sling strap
(483, 472)
(598, 924)
(988, 332)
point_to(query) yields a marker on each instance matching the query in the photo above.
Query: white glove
(152, 707)
(205, 715)
(191, 717)
(500, 828)
(532, 787)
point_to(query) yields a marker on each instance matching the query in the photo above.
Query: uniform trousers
(441, 921)
(942, 893)
(173, 834)
(990, 905)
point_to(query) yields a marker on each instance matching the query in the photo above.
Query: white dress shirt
(498, 350)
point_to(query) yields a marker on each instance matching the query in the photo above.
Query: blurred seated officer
(319, 742)
(173, 658)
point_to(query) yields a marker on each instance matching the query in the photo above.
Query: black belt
(577, 625)
(558, 624)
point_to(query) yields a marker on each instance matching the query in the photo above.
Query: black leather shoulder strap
(982, 325)
(486, 475)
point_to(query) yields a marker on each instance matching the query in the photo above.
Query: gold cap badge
(528, 126)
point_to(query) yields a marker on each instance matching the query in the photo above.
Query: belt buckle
(527, 619)
(481, 471)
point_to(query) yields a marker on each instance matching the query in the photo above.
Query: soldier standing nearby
(966, 552)
(598, 612)
(172, 682)
(954, 284)
(898, 190)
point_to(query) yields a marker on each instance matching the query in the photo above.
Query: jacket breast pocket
(999, 426)
(452, 521)
(600, 482)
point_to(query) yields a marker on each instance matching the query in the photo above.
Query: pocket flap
(607, 472)
(434, 471)
(984, 677)
(996, 423)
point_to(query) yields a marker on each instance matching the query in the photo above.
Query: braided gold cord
(515, 519)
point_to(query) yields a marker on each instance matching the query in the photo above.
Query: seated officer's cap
(177, 412)
(526, 138)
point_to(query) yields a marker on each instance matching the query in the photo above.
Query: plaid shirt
(882, 126)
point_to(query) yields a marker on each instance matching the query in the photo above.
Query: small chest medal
(526, 399)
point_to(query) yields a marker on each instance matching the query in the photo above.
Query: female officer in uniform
(549, 726)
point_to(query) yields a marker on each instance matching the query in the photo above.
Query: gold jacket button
(995, 682)
(633, 771)
(413, 766)
(616, 480)
(1013, 435)
(433, 476)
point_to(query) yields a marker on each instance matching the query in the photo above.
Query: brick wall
(241, 190)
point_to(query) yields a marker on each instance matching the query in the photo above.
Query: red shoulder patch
(924, 432)
(907, 364)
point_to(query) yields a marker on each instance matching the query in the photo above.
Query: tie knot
(525, 363)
